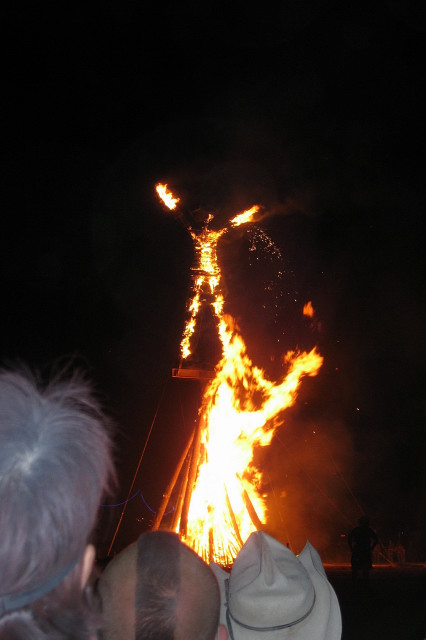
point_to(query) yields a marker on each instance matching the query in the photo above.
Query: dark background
(313, 110)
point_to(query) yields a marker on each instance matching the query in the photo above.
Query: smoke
(308, 477)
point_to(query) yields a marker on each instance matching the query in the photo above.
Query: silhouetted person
(362, 541)
(399, 550)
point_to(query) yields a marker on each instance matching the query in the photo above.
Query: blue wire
(138, 493)
(119, 504)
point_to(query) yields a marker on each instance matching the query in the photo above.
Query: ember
(308, 310)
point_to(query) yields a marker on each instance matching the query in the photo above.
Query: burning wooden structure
(219, 501)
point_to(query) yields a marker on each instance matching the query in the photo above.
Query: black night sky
(313, 110)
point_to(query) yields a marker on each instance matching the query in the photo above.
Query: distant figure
(362, 541)
(55, 464)
(390, 552)
(400, 550)
(159, 589)
(271, 594)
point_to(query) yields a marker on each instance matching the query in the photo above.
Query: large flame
(241, 410)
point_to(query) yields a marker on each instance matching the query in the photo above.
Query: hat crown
(268, 586)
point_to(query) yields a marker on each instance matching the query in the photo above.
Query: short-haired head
(55, 464)
(173, 594)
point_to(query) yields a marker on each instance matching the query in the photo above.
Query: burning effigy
(222, 503)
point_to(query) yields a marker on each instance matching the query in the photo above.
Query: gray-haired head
(55, 464)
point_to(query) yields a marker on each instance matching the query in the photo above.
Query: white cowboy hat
(272, 594)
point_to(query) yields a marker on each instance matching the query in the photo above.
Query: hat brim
(323, 623)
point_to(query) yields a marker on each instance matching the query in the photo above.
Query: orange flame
(206, 278)
(245, 216)
(308, 310)
(241, 410)
(207, 273)
(166, 196)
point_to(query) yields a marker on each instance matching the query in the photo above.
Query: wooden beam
(233, 519)
(192, 474)
(251, 511)
(170, 486)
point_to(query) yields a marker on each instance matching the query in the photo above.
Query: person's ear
(87, 563)
(222, 633)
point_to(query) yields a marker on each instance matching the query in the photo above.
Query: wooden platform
(193, 374)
